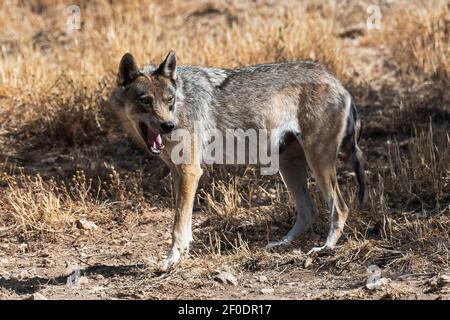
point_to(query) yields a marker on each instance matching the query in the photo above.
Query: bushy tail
(353, 153)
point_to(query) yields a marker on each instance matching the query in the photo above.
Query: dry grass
(62, 157)
(34, 206)
(55, 84)
(422, 47)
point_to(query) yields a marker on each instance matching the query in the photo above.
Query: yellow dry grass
(418, 36)
(54, 122)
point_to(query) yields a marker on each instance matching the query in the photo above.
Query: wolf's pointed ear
(169, 66)
(128, 70)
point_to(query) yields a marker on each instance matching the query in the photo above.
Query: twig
(412, 275)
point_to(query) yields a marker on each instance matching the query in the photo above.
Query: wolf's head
(145, 102)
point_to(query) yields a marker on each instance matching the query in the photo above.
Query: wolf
(313, 118)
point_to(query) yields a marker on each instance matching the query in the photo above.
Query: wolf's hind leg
(294, 170)
(323, 167)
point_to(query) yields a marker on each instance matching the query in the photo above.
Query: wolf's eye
(146, 101)
(170, 102)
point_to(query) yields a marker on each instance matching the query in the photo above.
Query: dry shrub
(418, 36)
(40, 207)
(48, 74)
(409, 209)
(418, 172)
(37, 207)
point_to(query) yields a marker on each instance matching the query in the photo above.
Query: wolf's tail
(351, 150)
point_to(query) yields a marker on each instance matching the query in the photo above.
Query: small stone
(308, 262)
(4, 261)
(378, 284)
(99, 288)
(47, 262)
(226, 278)
(262, 279)
(248, 285)
(440, 282)
(267, 291)
(291, 284)
(84, 224)
(4, 245)
(99, 277)
(445, 280)
(23, 247)
(83, 280)
(24, 274)
(36, 296)
(127, 253)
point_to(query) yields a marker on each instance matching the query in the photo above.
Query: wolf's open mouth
(152, 140)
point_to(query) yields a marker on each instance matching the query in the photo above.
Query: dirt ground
(395, 248)
(114, 264)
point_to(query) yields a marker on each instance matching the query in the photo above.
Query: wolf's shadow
(32, 285)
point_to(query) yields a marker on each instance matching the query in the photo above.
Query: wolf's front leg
(182, 230)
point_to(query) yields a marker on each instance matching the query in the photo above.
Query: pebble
(36, 296)
(378, 284)
(83, 280)
(262, 279)
(267, 291)
(308, 262)
(84, 224)
(47, 262)
(226, 278)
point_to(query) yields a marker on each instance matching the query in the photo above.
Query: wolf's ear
(168, 68)
(128, 70)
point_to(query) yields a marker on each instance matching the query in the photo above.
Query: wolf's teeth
(155, 150)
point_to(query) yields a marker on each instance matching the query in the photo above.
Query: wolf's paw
(172, 259)
(276, 244)
(322, 249)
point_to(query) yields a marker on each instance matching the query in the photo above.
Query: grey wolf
(313, 115)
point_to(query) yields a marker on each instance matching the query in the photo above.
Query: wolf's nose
(167, 127)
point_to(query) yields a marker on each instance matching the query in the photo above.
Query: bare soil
(113, 265)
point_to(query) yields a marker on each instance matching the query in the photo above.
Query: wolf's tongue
(158, 141)
(154, 139)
